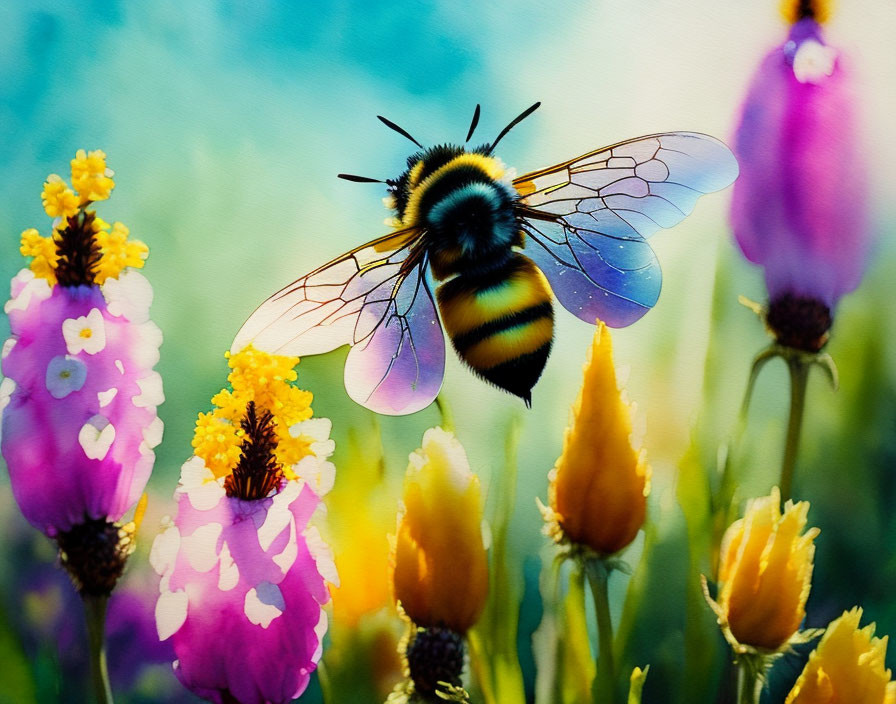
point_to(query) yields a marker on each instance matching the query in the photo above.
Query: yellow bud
(599, 486)
(766, 571)
(440, 571)
(847, 665)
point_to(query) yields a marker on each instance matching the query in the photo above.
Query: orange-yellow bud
(440, 566)
(766, 571)
(847, 665)
(599, 486)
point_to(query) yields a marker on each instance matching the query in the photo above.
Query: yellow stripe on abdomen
(507, 345)
(501, 323)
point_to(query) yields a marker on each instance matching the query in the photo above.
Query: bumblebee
(495, 250)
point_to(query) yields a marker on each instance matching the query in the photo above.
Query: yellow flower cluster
(848, 665)
(90, 177)
(58, 199)
(92, 182)
(265, 379)
(45, 254)
(117, 252)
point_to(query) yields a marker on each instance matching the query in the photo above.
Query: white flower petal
(151, 393)
(163, 553)
(320, 630)
(229, 574)
(171, 612)
(129, 296)
(85, 334)
(287, 557)
(201, 547)
(199, 484)
(146, 348)
(315, 428)
(319, 475)
(813, 61)
(278, 517)
(7, 347)
(322, 554)
(34, 288)
(106, 397)
(7, 387)
(263, 604)
(152, 434)
(96, 437)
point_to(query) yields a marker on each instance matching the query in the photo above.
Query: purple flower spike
(799, 208)
(80, 425)
(242, 591)
(244, 570)
(78, 399)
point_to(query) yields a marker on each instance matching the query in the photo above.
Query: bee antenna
(473, 123)
(359, 179)
(513, 123)
(392, 126)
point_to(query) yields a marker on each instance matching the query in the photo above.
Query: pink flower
(244, 571)
(799, 208)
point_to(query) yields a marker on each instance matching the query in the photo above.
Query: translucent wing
(374, 298)
(594, 276)
(590, 216)
(397, 367)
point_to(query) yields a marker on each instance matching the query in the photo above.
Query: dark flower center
(435, 655)
(78, 251)
(805, 9)
(94, 554)
(799, 322)
(257, 473)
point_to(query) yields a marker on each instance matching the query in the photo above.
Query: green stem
(799, 376)
(605, 679)
(445, 411)
(721, 500)
(747, 684)
(95, 610)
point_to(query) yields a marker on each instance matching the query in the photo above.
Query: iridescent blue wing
(589, 218)
(374, 298)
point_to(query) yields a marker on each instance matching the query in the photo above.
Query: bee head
(421, 164)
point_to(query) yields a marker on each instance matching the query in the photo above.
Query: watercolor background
(226, 124)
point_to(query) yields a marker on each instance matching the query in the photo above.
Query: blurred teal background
(226, 124)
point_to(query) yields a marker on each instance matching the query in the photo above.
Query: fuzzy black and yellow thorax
(461, 202)
(495, 304)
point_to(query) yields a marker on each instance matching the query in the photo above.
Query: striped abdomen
(501, 323)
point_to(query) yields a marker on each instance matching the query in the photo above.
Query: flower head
(90, 176)
(244, 570)
(848, 665)
(765, 573)
(440, 567)
(79, 423)
(599, 486)
(799, 208)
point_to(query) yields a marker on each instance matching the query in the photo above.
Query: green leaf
(493, 641)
